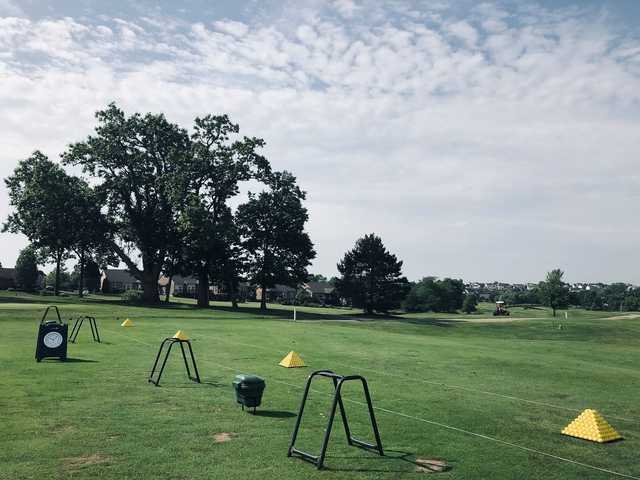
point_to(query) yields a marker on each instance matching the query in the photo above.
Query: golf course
(458, 396)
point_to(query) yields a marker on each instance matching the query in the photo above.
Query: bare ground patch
(75, 463)
(223, 437)
(428, 465)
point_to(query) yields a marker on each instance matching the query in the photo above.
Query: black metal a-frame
(76, 328)
(171, 342)
(338, 381)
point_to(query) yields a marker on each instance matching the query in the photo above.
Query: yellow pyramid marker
(590, 425)
(180, 335)
(292, 360)
(127, 323)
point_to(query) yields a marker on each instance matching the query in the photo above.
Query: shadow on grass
(276, 313)
(428, 466)
(68, 360)
(274, 414)
(353, 317)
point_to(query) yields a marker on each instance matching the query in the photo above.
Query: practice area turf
(489, 399)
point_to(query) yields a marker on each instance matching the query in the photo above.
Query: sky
(483, 141)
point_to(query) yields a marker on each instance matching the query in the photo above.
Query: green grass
(519, 382)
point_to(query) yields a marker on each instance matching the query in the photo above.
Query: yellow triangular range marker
(292, 360)
(180, 335)
(127, 323)
(590, 425)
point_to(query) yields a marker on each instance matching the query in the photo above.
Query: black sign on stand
(52, 337)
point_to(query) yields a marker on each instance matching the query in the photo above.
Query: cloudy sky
(489, 141)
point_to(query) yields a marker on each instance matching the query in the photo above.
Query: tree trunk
(203, 287)
(168, 294)
(81, 286)
(233, 294)
(263, 297)
(554, 311)
(56, 290)
(150, 294)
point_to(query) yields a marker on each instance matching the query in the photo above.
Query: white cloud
(237, 29)
(346, 8)
(464, 31)
(471, 145)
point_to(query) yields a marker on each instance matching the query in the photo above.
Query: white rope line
(442, 425)
(442, 384)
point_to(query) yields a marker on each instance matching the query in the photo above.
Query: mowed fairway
(488, 398)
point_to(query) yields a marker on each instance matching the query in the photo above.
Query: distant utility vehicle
(501, 310)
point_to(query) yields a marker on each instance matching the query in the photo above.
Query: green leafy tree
(371, 276)
(217, 167)
(271, 225)
(91, 236)
(40, 193)
(27, 269)
(553, 291)
(317, 277)
(66, 280)
(469, 304)
(433, 295)
(139, 162)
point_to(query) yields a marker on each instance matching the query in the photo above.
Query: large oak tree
(138, 162)
(219, 163)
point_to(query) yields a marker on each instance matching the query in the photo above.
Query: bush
(132, 296)
(434, 295)
(469, 304)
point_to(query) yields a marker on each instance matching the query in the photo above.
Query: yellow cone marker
(590, 425)
(180, 335)
(127, 323)
(292, 360)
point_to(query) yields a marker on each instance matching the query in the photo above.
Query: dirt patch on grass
(62, 429)
(428, 465)
(223, 437)
(75, 463)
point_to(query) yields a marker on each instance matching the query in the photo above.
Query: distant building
(279, 293)
(320, 292)
(8, 279)
(118, 281)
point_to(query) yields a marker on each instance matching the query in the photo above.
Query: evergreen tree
(371, 276)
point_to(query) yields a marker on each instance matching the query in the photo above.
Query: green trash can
(249, 389)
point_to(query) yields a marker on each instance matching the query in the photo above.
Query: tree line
(158, 199)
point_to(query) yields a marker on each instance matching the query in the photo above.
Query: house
(118, 281)
(8, 279)
(278, 294)
(320, 292)
(184, 286)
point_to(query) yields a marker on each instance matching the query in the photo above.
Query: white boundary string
(441, 384)
(438, 424)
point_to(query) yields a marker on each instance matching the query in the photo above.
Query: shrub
(469, 304)
(132, 296)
